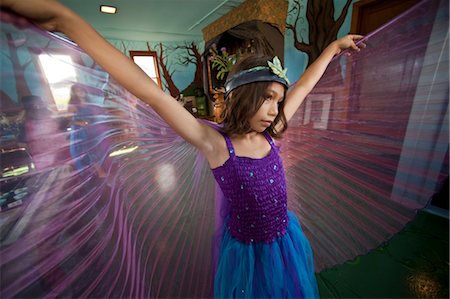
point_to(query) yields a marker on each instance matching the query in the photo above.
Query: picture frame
(317, 110)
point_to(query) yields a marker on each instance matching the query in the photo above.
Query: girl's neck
(247, 137)
(252, 145)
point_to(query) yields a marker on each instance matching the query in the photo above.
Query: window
(59, 72)
(147, 61)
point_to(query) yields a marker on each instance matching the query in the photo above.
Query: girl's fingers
(354, 47)
(14, 19)
(357, 39)
(356, 36)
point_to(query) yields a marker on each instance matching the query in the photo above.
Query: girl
(82, 130)
(78, 131)
(263, 250)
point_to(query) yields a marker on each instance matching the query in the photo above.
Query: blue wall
(182, 75)
(295, 60)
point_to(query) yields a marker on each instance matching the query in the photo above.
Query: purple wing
(103, 199)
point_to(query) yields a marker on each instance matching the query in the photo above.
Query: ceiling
(153, 20)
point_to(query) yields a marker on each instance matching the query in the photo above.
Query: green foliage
(222, 62)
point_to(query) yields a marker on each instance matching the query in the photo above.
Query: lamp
(108, 9)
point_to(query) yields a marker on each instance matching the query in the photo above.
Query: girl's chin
(260, 129)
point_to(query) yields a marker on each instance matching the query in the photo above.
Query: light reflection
(15, 171)
(422, 285)
(166, 177)
(123, 151)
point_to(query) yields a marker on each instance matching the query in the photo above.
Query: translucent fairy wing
(99, 198)
(369, 146)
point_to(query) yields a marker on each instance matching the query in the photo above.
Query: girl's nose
(274, 109)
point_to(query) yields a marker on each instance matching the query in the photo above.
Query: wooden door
(369, 15)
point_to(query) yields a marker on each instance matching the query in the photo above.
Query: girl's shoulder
(214, 125)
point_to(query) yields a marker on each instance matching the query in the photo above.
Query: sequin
(275, 167)
(242, 187)
(222, 178)
(252, 225)
(231, 151)
(271, 181)
(251, 173)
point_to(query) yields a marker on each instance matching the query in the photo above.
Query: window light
(108, 9)
(60, 73)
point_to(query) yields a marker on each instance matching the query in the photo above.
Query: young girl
(83, 130)
(78, 131)
(263, 250)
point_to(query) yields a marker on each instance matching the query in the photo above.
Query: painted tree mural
(18, 67)
(193, 56)
(166, 73)
(323, 28)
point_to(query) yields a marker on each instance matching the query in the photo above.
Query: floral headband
(273, 72)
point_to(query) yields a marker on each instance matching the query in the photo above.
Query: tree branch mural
(192, 56)
(165, 70)
(323, 28)
(22, 88)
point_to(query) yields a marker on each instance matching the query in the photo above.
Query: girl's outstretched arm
(53, 16)
(314, 72)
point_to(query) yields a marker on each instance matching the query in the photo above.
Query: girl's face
(79, 93)
(266, 114)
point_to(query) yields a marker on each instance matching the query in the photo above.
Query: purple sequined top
(256, 190)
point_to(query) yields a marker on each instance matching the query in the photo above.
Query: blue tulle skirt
(281, 269)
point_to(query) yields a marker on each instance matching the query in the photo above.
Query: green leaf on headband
(277, 69)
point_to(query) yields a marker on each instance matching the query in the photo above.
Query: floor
(414, 264)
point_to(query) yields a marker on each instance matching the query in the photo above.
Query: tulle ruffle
(281, 269)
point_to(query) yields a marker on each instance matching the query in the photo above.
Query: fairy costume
(84, 143)
(264, 252)
(147, 233)
(78, 135)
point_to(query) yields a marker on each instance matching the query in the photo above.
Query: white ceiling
(153, 20)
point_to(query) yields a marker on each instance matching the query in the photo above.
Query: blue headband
(274, 72)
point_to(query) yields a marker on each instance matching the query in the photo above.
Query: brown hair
(244, 101)
(74, 99)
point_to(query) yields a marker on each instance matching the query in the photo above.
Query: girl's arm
(54, 16)
(314, 72)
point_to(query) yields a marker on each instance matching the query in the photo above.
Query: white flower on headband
(277, 69)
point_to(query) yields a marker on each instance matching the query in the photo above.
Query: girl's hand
(46, 14)
(349, 41)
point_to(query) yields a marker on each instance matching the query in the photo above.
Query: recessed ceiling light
(108, 9)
